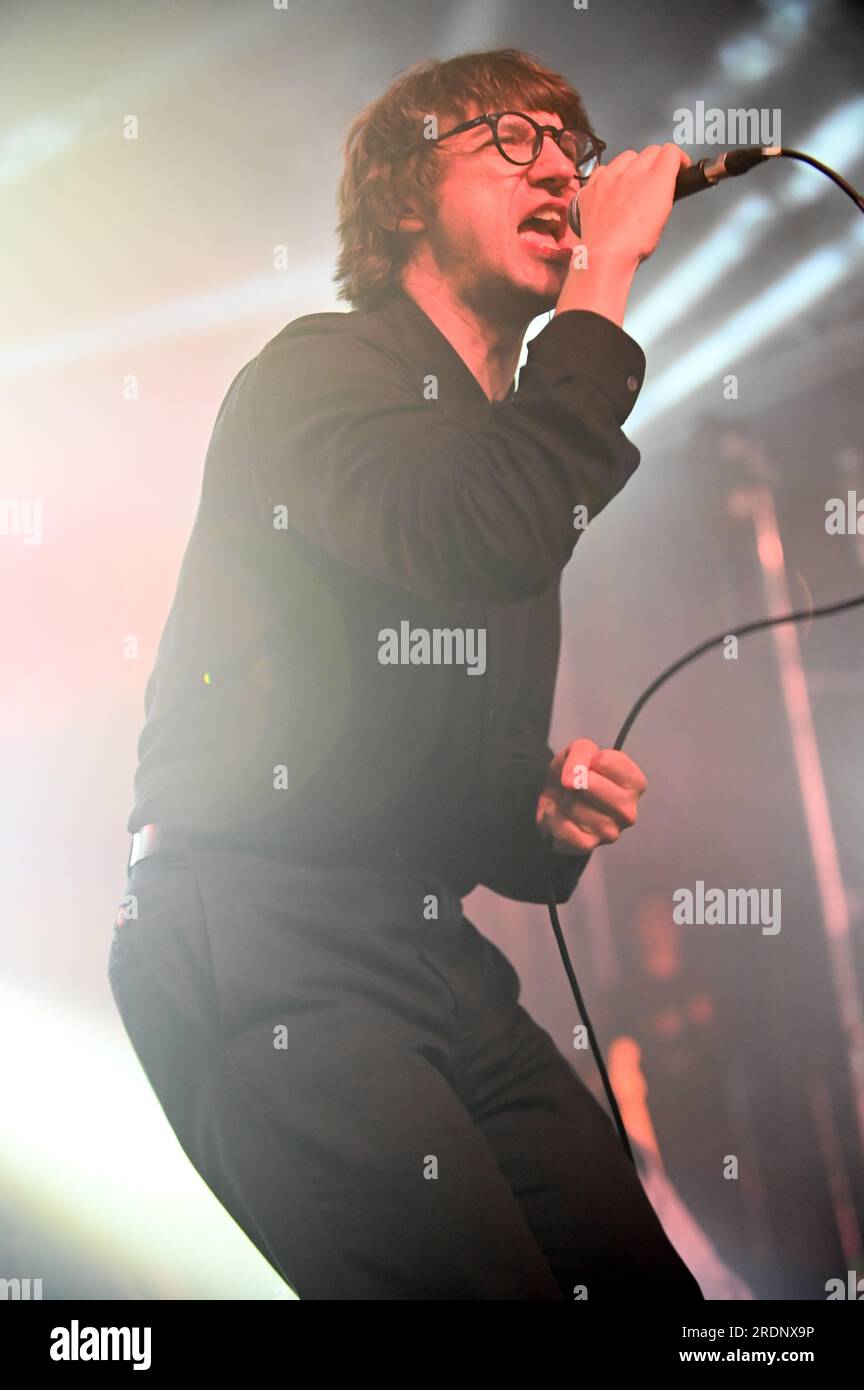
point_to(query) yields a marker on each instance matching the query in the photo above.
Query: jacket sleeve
(396, 487)
(514, 850)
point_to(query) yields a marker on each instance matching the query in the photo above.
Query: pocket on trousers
(122, 948)
(165, 930)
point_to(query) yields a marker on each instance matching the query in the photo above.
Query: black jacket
(359, 479)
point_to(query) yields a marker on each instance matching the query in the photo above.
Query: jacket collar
(423, 342)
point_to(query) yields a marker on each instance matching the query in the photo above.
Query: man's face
(477, 240)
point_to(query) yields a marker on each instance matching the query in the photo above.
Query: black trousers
(343, 1058)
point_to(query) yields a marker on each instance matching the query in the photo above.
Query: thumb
(576, 759)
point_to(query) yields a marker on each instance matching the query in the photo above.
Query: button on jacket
(359, 662)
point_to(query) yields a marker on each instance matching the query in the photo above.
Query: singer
(341, 1053)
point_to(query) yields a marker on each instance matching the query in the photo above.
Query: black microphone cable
(708, 172)
(683, 661)
(713, 169)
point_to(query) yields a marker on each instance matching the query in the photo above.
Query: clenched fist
(589, 797)
(624, 205)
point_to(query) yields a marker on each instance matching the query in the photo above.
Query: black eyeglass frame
(491, 118)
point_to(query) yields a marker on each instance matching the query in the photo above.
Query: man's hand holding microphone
(623, 208)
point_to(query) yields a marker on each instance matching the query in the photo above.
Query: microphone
(707, 173)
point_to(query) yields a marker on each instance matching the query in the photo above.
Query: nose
(552, 164)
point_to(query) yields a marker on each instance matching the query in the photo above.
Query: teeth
(550, 220)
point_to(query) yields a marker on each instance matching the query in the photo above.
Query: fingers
(617, 767)
(567, 838)
(624, 205)
(620, 162)
(615, 166)
(583, 756)
(603, 807)
(670, 156)
(670, 160)
(582, 829)
(602, 803)
(590, 796)
(673, 157)
(577, 756)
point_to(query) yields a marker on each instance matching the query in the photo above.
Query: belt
(146, 841)
(153, 838)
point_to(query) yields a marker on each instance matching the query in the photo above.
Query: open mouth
(545, 232)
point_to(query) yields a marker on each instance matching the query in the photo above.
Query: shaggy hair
(388, 159)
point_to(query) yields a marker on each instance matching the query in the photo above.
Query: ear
(409, 218)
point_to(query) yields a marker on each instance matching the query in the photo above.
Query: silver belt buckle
(145, 841)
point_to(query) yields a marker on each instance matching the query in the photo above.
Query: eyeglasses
(520, 139)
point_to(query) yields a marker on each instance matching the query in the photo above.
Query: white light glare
(757, 320)
(32, 144)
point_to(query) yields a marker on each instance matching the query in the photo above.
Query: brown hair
(387, 157)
